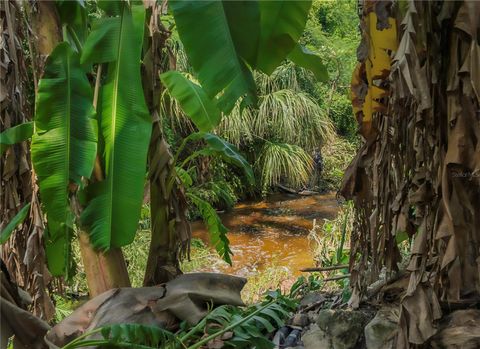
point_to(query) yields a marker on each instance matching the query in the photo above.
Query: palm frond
(236, 127)
(281, 162)
(292, 117)
(286, 76)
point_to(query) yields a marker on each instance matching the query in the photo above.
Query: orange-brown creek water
(274, 230)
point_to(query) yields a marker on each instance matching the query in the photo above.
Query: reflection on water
(275, 229)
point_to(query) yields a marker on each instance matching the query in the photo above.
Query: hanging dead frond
(23, 254)
(417, 175)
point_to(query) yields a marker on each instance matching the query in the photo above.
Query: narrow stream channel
(272, 231)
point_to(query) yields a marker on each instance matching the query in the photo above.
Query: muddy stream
(272, 231)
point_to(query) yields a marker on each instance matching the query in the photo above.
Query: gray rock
(381, 331)
(460, 329)
(315, 338)
(312, 316)
(311, 298)
(344, 327)
(300, 320)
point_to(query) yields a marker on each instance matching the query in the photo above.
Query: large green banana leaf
(114, 204)
(219, 37)
(282, 24)
(193, 100)
(65, 140)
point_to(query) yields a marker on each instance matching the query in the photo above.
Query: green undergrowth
(331, 247)
(336, 155)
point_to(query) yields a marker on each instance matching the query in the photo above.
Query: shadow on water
(275, 229)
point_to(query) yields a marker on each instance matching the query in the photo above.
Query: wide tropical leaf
(218, 37)
(282, 24)
(217, 231)
(65, 140)
(18, 219)
(309, 60)
(226, 151)
(193, 100)
(113, 210)
(14, 135)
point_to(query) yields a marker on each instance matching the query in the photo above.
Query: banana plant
(90, 143)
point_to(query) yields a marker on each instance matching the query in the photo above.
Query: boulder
(316, 338)
(300, 320)
(311, 298)
(343, 327)
(381, 331)
(460, 329)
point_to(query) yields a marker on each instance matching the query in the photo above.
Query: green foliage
(332, 238)
(220, 148)
(228, 153)
(281, 161)
(193, 100)
(337, 154)
(64, 144)
(63, 307)
(304, 285)
(250, 326)
(125, 335)
(14, 135)
(332, 32)
(114, 204)
(282, 24)
(14, 222)
(217, 231)
(306, 59)
(214, 49)
(284, 112)
(234, 39)
(74, 16)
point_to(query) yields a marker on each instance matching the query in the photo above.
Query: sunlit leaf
(14, 135)
(65, 140)
(215, 43)
(113, 210)
(193, 100)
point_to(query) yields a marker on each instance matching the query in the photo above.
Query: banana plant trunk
(107, 270)
(170, 237)
(170, 228)
(162, 264)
